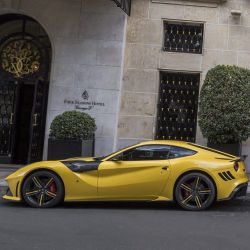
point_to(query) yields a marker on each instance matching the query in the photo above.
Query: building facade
(138, 75)
(77, 47)
(170, 46)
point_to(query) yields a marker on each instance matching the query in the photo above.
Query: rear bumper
(239, 191)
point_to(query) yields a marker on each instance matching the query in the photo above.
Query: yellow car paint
(151, 180)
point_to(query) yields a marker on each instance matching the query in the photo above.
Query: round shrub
(224, 115)
(73, 125)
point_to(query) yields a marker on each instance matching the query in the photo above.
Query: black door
(37, 122)
(22, 122)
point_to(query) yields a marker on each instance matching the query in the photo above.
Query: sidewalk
(10, 166)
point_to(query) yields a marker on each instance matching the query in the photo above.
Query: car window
(148, 152)
(177, 152)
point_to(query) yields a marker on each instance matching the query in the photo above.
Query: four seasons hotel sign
(85, 103)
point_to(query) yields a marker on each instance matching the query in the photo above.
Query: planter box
(233, 149)
(62, 149)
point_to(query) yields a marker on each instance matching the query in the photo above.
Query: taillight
(236, 166)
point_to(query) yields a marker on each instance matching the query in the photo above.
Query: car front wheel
(42, 189)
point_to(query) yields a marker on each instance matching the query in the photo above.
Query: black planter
(233, 149)
(62, 149)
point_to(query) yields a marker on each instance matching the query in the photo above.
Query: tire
(195, 191)
(43, 189)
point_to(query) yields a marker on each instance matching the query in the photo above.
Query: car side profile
(192, 175)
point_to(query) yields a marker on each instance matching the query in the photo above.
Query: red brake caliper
(52, 187)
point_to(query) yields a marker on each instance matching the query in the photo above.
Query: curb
(8, 168)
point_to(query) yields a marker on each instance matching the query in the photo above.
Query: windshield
(106, 156)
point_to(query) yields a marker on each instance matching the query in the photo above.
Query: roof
(168, 142)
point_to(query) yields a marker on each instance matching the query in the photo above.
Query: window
(177, 152)
(177, 106)
(183, 37)
(148, 152)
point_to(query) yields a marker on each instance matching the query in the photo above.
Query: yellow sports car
(194, 176)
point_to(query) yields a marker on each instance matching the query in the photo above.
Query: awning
(125, 5)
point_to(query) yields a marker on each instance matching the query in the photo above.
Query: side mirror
(116, 159)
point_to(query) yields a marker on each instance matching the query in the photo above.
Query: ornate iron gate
(177, 106)
(8, 96)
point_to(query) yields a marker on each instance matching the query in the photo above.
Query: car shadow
(238, 205)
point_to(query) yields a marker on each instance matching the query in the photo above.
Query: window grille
(183, 37)
(177, 106)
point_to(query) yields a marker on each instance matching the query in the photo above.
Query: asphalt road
(123, 226)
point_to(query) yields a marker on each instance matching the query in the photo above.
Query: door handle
(11, 118)
(165, 168)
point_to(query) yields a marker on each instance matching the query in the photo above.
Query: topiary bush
(224, 115)
(73, 125)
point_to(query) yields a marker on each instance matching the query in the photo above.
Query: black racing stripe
(229, 173)
(226, 159)
(222, 177)
(211, 150)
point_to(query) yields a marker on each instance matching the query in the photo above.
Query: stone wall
(87, 39)
(226, 41)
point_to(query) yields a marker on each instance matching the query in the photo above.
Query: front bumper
(9, 196)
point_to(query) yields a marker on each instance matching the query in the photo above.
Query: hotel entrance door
(25, 57)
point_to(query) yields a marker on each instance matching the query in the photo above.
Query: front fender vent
(226, 176)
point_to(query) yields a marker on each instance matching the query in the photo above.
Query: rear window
(177, 152)
(211, 150)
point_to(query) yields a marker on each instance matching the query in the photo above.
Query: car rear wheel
(43, 189)
(195, 191)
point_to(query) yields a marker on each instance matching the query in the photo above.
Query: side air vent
(226, 176)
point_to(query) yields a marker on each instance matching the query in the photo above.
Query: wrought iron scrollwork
(20, 57)
(7, 100)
